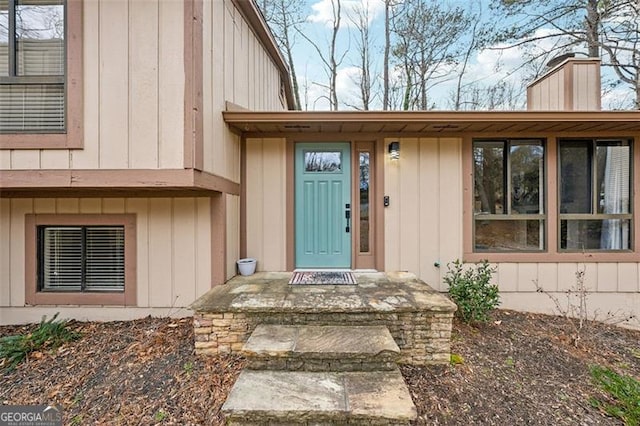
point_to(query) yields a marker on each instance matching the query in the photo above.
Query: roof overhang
(455, 123)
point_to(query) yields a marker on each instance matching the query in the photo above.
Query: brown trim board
(171, 180)
(193, 88)
(218, 239)
(34, 297)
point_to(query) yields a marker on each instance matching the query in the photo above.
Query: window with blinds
(81, 258)
(32, 66)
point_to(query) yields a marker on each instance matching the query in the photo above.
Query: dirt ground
(518, 369)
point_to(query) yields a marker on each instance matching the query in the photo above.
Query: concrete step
(321, 348)
(303, 397)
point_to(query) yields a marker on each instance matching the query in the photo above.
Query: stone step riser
(283, 397)
(321, 348)
(318, 365)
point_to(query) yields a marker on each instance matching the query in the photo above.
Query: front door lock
(347, 215)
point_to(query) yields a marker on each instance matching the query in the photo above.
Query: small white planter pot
(246, 266)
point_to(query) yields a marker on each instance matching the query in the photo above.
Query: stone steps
(302, 397)
(320, 374)
(321, 348)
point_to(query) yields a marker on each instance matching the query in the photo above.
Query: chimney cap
(559, 59)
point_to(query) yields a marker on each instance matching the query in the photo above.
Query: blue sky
(486, 68)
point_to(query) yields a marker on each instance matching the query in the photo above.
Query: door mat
(322, 278)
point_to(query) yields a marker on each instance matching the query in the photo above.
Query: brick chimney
(570, 84)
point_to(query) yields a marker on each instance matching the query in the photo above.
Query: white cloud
(322, 11)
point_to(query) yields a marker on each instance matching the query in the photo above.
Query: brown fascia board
(173, 180)
(256, 21)
(240, 118)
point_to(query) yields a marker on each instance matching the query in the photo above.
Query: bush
(49, 335)
(623, 390)
(471, 289)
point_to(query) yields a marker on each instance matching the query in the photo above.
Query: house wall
(237, 69)
(423, 223)
(266, 205)
(173, 250)
(423, 226)
(133, 80)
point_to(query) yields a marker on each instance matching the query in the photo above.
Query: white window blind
(32, 66)
(82, 258)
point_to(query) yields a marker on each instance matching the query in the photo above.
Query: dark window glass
(81, 258)
(508, 184)
(364, 202)
(595, 195)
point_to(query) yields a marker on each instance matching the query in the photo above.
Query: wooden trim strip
(193, 88)
(290, 203)
(247, 117)
(218, 239)
(34, 297)
(188, 179)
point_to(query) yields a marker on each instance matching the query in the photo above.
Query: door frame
(375, 259)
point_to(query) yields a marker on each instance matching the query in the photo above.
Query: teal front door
(323, 205)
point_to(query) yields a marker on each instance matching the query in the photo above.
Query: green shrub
(623, 390)
(49, 335)
(471, 289)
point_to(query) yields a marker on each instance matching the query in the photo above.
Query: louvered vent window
(32, 66)
(81, 258)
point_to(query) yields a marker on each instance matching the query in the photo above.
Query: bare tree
(330, 60)
(285, 19)
(360, 19)
(609, 27)
(426, 35)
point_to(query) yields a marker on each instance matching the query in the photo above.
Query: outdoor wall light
(394, 150)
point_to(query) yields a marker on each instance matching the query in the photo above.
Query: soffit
(431, 122)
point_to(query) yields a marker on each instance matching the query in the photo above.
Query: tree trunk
(387, 44)
(592, 22)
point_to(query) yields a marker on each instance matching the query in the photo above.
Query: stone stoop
(320, 375)
(321, 348)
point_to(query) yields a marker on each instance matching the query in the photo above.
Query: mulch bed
(518, 369)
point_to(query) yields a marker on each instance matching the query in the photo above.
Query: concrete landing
(286, 397)
(321, 348)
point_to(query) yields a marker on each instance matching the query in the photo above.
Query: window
(508, 195)
(594, 195)
(40, 73)
(80, 259)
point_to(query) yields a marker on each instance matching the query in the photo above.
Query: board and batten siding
(173, 244)
(423, 227)
(237, 69)
(573, 86)
(423, 223)
(133, 79)
(266, 203)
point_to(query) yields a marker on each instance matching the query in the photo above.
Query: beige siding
(173, 247)
(266, 203)
(237, 69)
(423, 223)
(586, 86)
(548, 93)
(133, 90)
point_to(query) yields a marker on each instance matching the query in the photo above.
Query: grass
(624, 394)
(49, 335)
